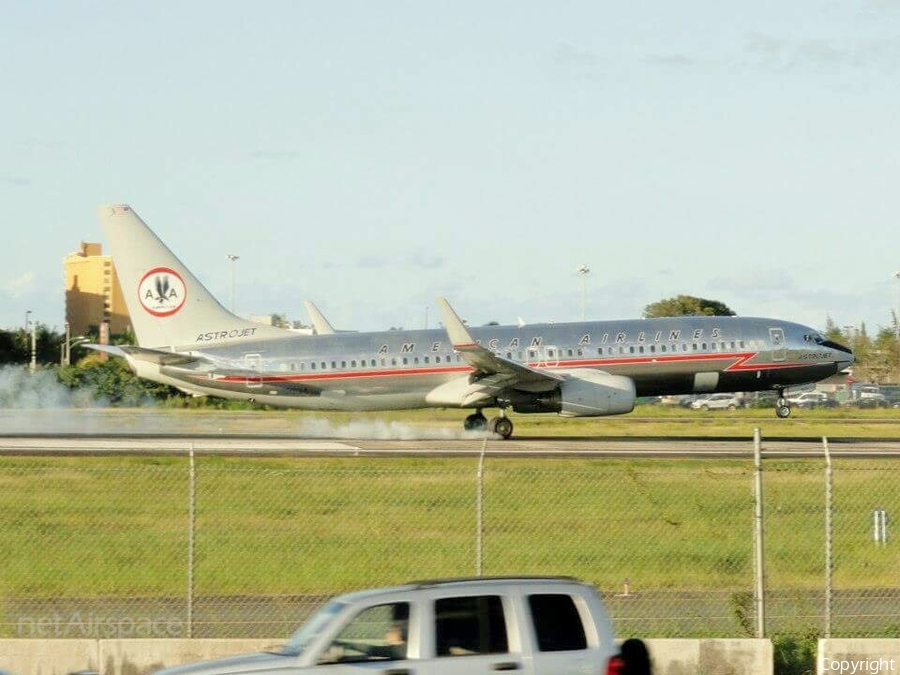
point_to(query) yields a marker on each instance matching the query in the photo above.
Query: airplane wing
(490, 367)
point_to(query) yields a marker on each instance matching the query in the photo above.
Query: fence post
(192, 503)
(479, 514)
(758, 531)
(829, 531)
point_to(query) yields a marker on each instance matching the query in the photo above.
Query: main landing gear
(500, 425)
(782, 408)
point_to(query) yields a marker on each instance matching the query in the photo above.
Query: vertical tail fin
(168, 306)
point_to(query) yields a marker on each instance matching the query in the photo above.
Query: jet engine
(584, 393)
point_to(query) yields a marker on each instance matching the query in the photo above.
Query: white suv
(535, 626)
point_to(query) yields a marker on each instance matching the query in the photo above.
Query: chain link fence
(141, 546)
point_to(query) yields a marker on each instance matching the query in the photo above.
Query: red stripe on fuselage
(740, 363)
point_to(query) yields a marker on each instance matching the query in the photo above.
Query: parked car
(717, 402)
(811, 399)
(535, 625)
(866, 395)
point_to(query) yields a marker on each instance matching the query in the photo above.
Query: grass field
(104, 528)
(87, 526)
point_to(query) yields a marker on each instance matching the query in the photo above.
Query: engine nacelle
(584, 393)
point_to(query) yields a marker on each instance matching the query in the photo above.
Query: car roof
(464, 582)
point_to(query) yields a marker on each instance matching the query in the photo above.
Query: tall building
(93, 294)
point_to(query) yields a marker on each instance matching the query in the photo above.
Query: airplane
(188, 340)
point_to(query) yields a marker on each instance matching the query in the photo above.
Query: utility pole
(583, 271)
(897, 315)
(33, 366)
(232, 258)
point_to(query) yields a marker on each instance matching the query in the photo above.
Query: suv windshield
(311, 629)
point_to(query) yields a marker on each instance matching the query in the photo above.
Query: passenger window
(343, 364)
(426, 359)
(557, 623)
(470, 625)
(437, 359)
(377, 633)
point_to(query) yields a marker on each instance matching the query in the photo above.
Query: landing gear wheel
(475, 422)
(502, 426)
(782, 408)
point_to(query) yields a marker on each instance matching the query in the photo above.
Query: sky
(370, 156)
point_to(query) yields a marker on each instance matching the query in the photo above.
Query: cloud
(781, 54)
(416, 260)
(15, 181)
(670, 60)
(16, 288)
(278, 155)
(755, 283)
(567, 54)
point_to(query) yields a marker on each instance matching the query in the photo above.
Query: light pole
(33, 365)
(583, 271)
(232, 258)
(65, 349)
(897, 315)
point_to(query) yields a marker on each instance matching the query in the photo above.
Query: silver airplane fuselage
(398, 369)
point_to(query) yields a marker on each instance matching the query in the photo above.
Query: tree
(112, 381)
(686, 305)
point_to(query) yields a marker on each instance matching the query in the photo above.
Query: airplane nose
(844, 357)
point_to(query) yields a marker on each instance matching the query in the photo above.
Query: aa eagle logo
(162, 291)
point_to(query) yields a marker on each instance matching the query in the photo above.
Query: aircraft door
(548, 357)
(253, 362)
(776, 337)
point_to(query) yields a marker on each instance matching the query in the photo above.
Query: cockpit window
(814, 337)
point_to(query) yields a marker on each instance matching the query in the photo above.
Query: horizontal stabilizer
(158, 356)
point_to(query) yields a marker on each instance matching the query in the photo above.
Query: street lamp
(33, 365)
(65, 349)
(583, 271)
(897, 315)
(232, 258)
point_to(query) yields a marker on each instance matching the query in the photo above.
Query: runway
(268, 446)
(168, 432)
